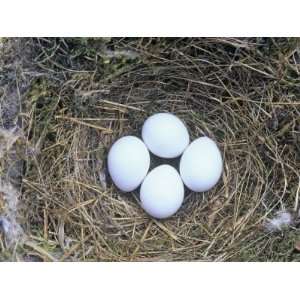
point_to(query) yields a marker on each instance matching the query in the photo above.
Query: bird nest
(83, 94)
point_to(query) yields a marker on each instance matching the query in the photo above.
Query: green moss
(275, 247)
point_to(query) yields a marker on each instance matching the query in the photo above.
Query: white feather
(282, 219)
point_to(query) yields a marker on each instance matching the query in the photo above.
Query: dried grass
(243, 93)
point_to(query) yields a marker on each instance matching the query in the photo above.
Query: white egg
(128, 162)
(165, 135)
(201, 165)
(162, 192)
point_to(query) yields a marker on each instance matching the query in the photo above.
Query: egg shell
(201, 165)
(165, 135)
(128, 162)
(162, 192)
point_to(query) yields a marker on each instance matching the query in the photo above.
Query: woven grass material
(86, 93)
